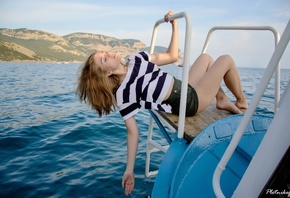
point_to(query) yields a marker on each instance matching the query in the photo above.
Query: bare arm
(171, 55)
(132, 146)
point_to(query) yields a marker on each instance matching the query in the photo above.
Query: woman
(105, 83)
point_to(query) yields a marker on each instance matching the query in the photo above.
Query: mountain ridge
(24, 45)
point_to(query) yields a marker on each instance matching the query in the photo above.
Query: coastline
(35, 61)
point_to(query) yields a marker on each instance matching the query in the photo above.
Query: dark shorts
(174, 99)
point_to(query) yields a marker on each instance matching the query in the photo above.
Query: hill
(36, 45)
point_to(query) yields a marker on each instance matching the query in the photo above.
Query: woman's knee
(225, 61)
(206, 57)
(226, 58)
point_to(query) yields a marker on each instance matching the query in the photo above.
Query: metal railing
(186, 63)
(280, 48)
(153, 146)
(256, 28)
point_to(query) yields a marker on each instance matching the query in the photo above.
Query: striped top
(145, 86)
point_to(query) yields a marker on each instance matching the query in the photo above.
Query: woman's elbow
(174, 58)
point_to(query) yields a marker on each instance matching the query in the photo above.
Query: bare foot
(226, 104)
(243, 106)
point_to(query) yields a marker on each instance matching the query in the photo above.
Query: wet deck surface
(195, 124)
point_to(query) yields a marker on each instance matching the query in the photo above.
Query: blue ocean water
(51, 145)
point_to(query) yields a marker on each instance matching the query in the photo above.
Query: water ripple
(53, 146)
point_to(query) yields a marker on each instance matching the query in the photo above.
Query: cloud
(23, 11)
(135, 19)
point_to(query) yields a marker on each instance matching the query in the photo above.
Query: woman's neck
(123, 74)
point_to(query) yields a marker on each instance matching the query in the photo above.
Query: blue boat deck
(200, 158)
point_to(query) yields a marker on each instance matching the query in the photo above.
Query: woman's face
(107, 61)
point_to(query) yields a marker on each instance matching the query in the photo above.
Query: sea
(51, 145)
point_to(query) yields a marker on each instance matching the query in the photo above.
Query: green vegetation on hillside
(8, 54)
(35, 45)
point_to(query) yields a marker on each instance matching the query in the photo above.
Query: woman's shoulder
(143, 54)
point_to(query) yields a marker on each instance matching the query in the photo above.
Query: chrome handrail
(280, 48)
(186, 64)
(259, 28)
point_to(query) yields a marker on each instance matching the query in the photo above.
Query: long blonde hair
(96, 88)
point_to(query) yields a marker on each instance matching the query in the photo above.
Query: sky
(135, 20)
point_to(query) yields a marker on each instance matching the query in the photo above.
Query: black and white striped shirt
(145, 86)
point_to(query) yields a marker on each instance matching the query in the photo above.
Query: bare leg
(198, 70)
(207, 80)
(223, 103)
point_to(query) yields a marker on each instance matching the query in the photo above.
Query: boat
(245, 155)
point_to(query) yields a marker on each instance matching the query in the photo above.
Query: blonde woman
(106, 84)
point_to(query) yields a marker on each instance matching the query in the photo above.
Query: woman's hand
(128, 182)
(167, 15)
